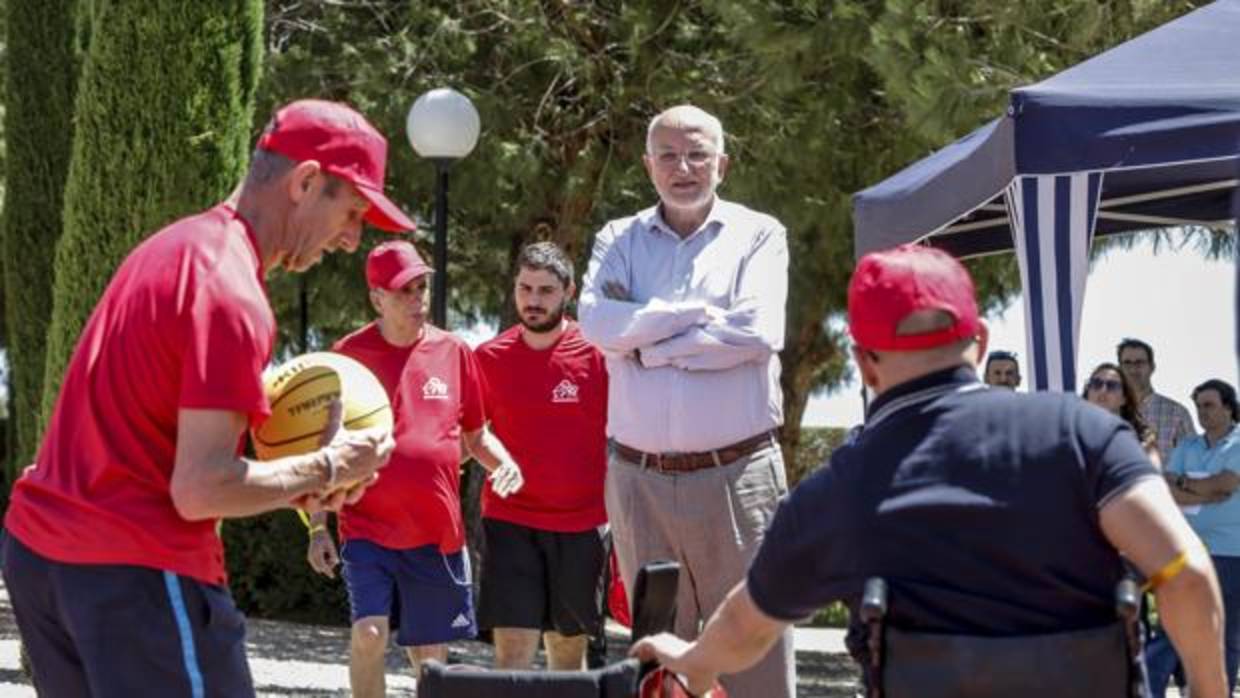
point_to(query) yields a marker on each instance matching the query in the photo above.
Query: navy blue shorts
(426, 595)
(119, 630)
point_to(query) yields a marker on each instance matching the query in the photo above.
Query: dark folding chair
(1102, 662)
(654, 611)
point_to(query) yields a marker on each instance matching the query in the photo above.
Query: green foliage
(948, 64)
(162, 116)
(40, 83)
(814, 451)
(819, 99)
(269, 575)
(833, 616)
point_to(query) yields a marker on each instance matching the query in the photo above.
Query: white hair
(689, 118)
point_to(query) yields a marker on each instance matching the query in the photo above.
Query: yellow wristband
(316, 528)
(1167, 573)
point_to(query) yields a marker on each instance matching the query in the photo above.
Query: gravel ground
(290, 659)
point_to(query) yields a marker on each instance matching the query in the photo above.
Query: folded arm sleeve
(619, 327)
(751, 330)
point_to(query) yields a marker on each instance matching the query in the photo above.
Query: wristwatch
(1179, 481)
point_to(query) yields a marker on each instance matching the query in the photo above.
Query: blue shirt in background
(1217, 524)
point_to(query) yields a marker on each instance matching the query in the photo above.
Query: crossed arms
(692, 335)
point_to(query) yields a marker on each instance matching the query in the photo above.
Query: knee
(370, 637)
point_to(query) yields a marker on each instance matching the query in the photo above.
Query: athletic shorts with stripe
(426, 595)
(117, 631)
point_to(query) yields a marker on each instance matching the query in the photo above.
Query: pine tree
(163, 121)
(40, 83)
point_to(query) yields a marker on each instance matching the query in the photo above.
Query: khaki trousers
(711, 521)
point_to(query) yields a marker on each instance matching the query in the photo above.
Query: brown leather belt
(689, 462)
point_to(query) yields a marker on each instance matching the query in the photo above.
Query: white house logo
(434, 389)
(566, 391)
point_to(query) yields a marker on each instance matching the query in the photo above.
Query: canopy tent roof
(1159, 114)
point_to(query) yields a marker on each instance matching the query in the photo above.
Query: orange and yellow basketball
(300, 391)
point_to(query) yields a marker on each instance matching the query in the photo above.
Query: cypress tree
(163, 115)
(40, 79)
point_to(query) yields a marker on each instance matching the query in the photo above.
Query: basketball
(300, 391)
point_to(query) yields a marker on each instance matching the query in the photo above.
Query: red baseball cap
(890, 285)
(345, 145)
(394, 264)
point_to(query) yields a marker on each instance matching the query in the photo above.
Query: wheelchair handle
(874, 599)
(1127, 599)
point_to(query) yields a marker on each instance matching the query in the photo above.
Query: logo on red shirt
(566, 391)
(434, 389)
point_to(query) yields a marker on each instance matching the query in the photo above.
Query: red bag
(662, 683)
(617, 597)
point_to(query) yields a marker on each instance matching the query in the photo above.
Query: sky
(1177, 301)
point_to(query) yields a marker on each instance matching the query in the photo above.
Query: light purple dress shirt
(693, 355)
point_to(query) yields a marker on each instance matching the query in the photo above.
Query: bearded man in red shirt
(546, 398)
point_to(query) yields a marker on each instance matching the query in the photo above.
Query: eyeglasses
(1110, 385)
(693, 158)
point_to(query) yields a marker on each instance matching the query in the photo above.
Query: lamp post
(443, 127)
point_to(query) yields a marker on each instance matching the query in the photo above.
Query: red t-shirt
(184, 323)
(549, 408)
(369, 348)
(417, 500)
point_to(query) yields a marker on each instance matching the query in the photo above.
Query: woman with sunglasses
(1109, 389)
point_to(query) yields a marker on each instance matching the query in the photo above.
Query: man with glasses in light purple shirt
(686, 300)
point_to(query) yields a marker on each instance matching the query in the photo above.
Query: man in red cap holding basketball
(989, 514)
(405, 563)
(114, 562)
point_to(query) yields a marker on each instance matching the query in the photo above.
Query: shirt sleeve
(789, 577)
(1175, 462)
(1114, 459)
(618, 327)
(473, 405)
(1183, 427)
(750, 330)
(227, 345)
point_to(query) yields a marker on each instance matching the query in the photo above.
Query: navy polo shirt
(979, 507)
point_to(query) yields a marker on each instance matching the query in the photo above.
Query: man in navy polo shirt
(988, 512)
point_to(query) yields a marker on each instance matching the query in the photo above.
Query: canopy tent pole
(1052, 220)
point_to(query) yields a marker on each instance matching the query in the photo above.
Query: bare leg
(565, 653)
(421, 653)
(366, 649)
(515, 647)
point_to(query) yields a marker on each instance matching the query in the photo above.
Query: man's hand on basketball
(358, 457)
(321, 553)
(506, 479)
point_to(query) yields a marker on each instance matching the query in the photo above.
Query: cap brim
(384, 214)
(406, 275)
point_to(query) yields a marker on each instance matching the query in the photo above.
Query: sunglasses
(1108, 384)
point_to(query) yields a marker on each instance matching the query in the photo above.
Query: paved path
(290, 659)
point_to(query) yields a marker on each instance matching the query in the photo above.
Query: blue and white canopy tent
(1145, 135)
